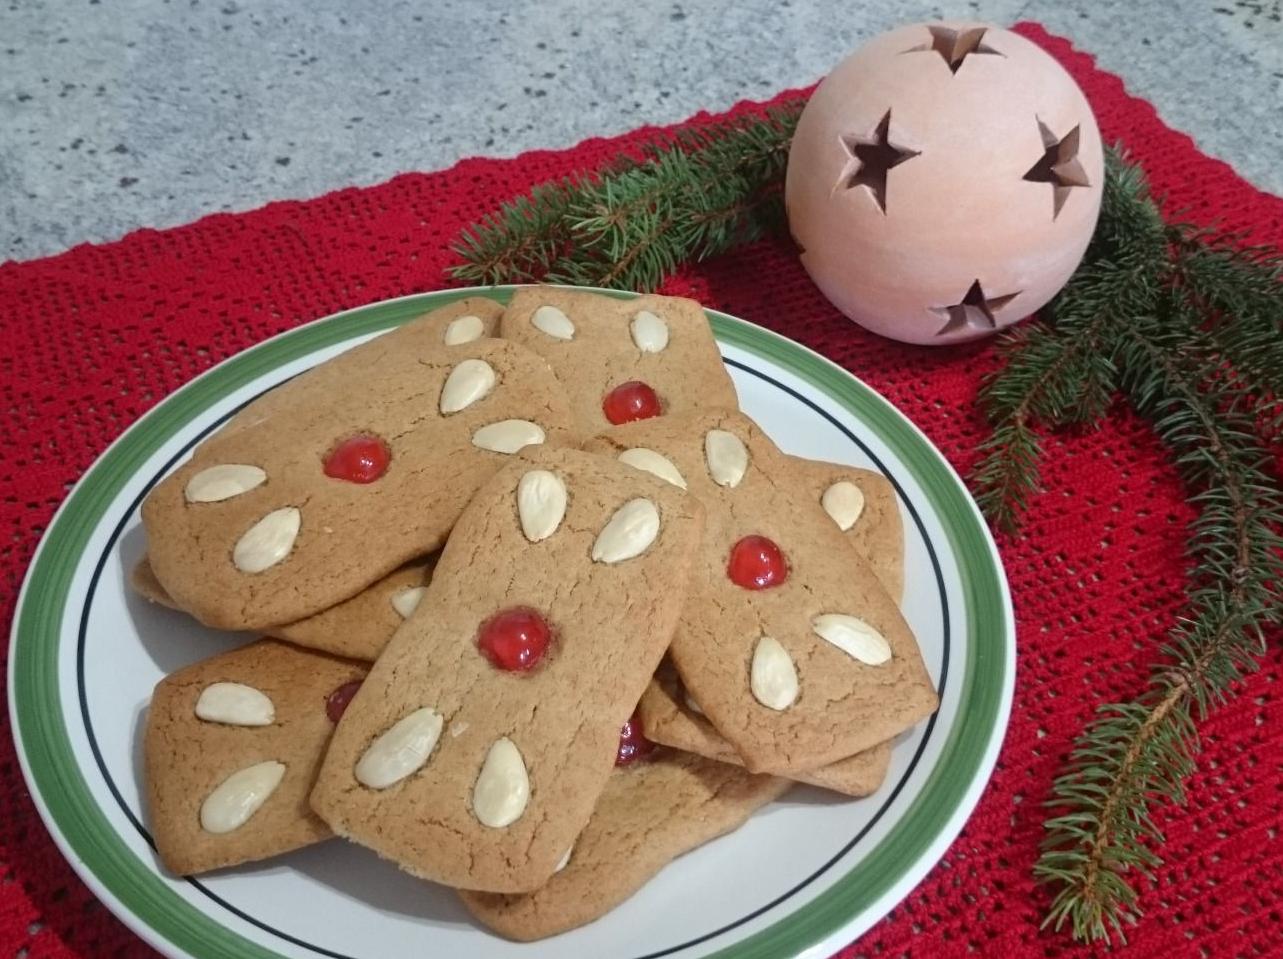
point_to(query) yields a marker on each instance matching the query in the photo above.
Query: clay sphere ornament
(944, 182)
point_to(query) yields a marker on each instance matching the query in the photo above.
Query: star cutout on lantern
(1059, 166)
(975, 312)
(955, 45)
(871, 159)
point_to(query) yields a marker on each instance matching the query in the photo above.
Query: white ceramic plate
(803, 877)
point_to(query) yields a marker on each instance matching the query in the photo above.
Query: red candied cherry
(757, 563)
(514, 639)
(336, 703)
(633, 744)
(630, 401)
(358, 459)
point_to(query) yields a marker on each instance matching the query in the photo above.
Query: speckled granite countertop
(128, 113)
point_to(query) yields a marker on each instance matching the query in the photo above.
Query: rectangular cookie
(648, 815)
(788, 642)
(231, 749)
(598, 344)
(357, 628)
(863, 505)
(362, 470)
(477, 747)
(670, 716)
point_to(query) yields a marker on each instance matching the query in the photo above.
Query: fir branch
(629, 226)
(1240, 297)
(1138, 753)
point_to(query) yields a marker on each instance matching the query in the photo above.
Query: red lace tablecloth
(96, 336)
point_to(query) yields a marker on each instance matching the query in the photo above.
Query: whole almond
(508, 436)
(854, 637)
(541, 504)
(217, 483)
(550, 320)
(773, 677)
(727, 457)
(844, 502)
(401, 750)
(239, 796)
(235, 704)
(650, 332)
(629, 532)
(502, 789)
(639, 457)
(268, 541)
(470, 381)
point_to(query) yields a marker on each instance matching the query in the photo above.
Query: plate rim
(845, 910)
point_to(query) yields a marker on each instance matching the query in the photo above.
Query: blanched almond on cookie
(400, 751)
(844, 502)
(649, 331)
(773, 677)
(268, 541)
(468, 382)
(628, 534)
(508, 436)
(464, 329)
(502, 789)
(541, 504)
(727, 457)
(217, 483)
(550, 320)
(235, 704)
(239, 796)
(854, 637)
(643, 459)
(406, 601)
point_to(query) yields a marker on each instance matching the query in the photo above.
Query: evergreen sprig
(1187, 328)
(628, 226)
(1184, 326)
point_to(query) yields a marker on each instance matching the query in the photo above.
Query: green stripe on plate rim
(38, 710)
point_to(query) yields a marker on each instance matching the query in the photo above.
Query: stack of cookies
(542, 613)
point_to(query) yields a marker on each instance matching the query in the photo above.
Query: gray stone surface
(131, 113)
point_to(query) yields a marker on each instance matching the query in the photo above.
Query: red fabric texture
(94, 337)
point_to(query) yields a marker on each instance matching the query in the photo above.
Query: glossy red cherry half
(633, 744)
(514, 639)
(358, 459)
(630, 401)
(336, 703)
(757, 563)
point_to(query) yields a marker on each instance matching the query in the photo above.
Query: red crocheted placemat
(94, 337)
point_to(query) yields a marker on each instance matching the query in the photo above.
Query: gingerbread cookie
(621, 360)
(863, 505)
(231, 749)
(673, 718)
(278, 519)
(789, 643)
(477, 747)
(357, 628)
(648, 814)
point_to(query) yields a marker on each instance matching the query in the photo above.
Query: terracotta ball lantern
(944, 182)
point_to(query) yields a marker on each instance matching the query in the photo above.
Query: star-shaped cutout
(975, 312)
(954, 46)
(1059, 166)
(871, 159)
